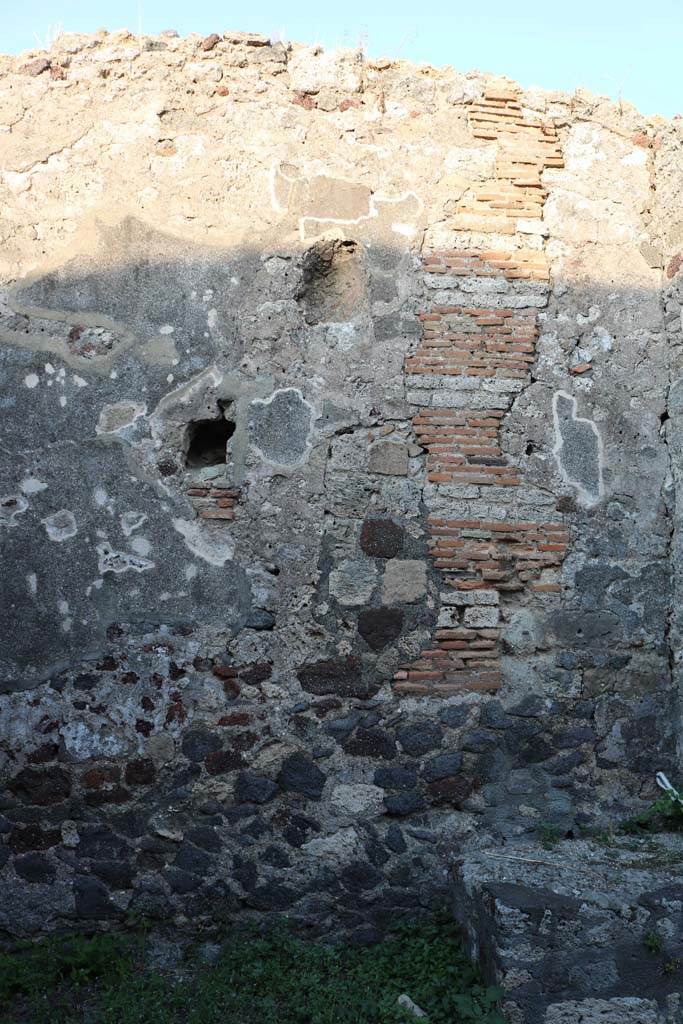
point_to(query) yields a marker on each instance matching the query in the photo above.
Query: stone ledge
(564, 930)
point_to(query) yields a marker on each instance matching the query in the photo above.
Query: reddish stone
(143, 727)
(36, 67)
(302, 99)
(210, 42)
(237, 718)
(381, 538)
(453, 791)
(675, 265)
(223, 761)
(101, 776)
(140, 772)
(256, 673)
(32, 837)
(45, 752)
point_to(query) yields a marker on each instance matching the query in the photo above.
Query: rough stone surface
(340, 515)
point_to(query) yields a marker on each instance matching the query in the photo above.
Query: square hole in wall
(206, 441)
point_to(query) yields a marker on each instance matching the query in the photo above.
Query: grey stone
(388, 457)
(404, 581)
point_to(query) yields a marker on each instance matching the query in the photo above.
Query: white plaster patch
(214, 550)
(131, 521)
(60, 526)
(31, 380)
(635, 159)
(102, 499)
(191, 571)
(408, 230)
(118, 416)
(343, 335)
(574, 437)
(119, 562)
(32, 584)
(166, 329)
(83, 741)
(32, 485)
(79, 382)
(141, 546)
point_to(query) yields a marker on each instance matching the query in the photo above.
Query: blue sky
(628, 49)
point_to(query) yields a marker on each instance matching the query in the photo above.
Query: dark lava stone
(394, 839)
(114, 873)
(380, 626)
(455, 715)
(34, 867)
(244, 871)
(396, 778)
(297, 831)
(381, 538)
(255, 789)
(372, 743)
(360, 875)
(41, 787)
(341, 677)
(190, 858)
(441, 767)
(301, 775)
(401, 804)
(197, 744)
(419, 738)
(276, 857)
(341, 727)
(181, 882)
(477, 741)
(101, 843)
(206, 837)
(260, 619)
(92, 899)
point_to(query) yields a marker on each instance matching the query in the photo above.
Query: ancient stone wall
(340, 460)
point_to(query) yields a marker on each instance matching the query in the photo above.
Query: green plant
(673, 965)
(653, 942)
(549, 835)
(664, 813)
(257, 979)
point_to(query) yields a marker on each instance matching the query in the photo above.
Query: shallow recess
(206, 441)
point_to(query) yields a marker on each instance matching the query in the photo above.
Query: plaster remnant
(212, 549)
(32, 584)
(118, 416)
(32, 485)
(11, 506)
(578, 450)
(118, 562)
(60, 526)
(31, 380)
(131, 521)
(141, 546)
(281, 426)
